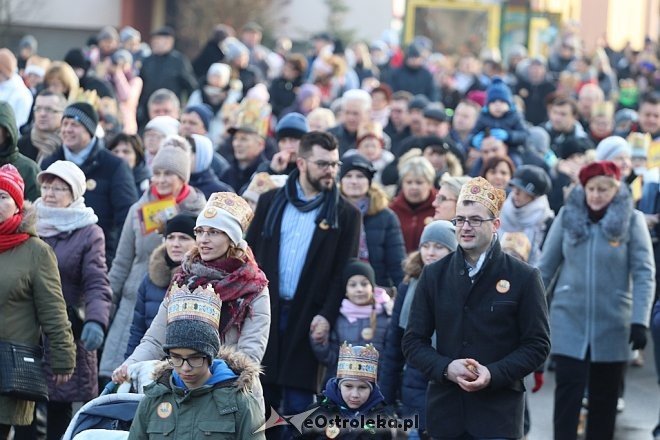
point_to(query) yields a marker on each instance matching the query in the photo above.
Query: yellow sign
(153, 215)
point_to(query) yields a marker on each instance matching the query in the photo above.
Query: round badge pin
(210, 212)
(367, 333)
(164, 410)
(90, 184)
(503, 286)
(332, 431)
(324, 225)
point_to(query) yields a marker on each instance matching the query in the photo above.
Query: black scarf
(327, 218)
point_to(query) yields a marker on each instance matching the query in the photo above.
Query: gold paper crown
(202, 304)
(261, 183)
(518, 243)
(605, 108)
(359, 362)
(481, 191)
(253, 116)
(639, 141)
(235, 205)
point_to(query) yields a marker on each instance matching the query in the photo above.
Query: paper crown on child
(481, 191)
(358, 362)
(517, 242)
(193, 319)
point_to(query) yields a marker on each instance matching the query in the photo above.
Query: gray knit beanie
(173, 159)
(442, 232)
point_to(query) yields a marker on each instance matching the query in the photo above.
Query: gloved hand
(637, 336)
(92, 335)
(499, 133)
(538, 381)
(477, 139)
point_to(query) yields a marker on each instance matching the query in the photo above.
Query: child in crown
(363, 316)
(351, 405)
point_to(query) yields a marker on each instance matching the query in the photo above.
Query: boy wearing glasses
(489, 313)
(195, 394)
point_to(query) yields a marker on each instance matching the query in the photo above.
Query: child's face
(431, 252)
(520, 197)
(193, 376)
(359, 290)
(498, 108)
(354, 392)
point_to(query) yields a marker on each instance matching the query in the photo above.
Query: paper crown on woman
(481, 191)
(227, 212)
(358, 362)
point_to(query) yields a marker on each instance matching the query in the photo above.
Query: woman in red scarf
(171, 174)
(221, 259)
(30, 294)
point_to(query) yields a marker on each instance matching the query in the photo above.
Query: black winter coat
(500, 320)
(289, 359)
(416, 81)
(208, 183)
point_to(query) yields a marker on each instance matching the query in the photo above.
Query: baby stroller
(109, 416)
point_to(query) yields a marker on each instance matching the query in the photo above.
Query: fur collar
(159, 272)
(413, 265)
(614, 224)
(377, 199)
(29, 222)
(248, 371)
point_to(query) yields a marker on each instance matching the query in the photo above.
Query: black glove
(637, 336)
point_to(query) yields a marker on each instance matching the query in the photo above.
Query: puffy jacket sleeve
(552, 256)
(121, 265)
(249, 417)
(393, 361)
(96, 286)
(328, 353)
(642, 269)
(395, 250)
(151, 345)
(123, 194)
(51, 309)
(139, 326)
(254, 332)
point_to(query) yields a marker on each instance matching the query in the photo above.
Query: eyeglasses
(440, 198)
(324, 164)
(212, 232)
(473, 222)
(49, 110)
(57, 189)
(193, 361)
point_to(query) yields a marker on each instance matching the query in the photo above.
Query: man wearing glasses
(490, 316)
(43, 137)
(302, 235)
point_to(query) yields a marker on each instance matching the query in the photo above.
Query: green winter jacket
(27, 168)
(227, 410)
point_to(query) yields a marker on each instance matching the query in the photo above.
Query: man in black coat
(490, 316)
(302, 235)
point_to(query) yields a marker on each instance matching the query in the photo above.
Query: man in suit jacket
(490, 316)
(302, 235)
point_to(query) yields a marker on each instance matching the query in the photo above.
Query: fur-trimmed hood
(248, 371)
(29, 222)
(413, 265)
(378, 199)
(614, 224)
(159, 272)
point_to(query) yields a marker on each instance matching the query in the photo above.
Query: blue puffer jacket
(511, 122)
(150, 295)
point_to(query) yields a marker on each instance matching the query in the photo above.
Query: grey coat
(605, 278)
(128, 269)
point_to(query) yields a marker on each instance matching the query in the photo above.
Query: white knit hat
(229, 213)
(166, 125)
(70, 173)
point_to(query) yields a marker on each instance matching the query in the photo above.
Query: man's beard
(316, 183)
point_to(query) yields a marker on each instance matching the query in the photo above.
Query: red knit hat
(599, 168)
(12, 182)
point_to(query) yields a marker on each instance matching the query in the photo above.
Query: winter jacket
(84, 274)
(283, 93)
(225, 410)
(345, 138)
(534, 96)
(31, 302)
(511, 122)
(384, 239)
(413, 220)
(127, 273)
(207, 182)
(506, 332)
(15, 94)
(416, 81)
(110, 190)
(150, 295)
(606, 278)
(9, 154)
(142, 177)
(239, 178)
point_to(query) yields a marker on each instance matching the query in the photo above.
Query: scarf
(327, 201)
(407, 303)
(532, 215)
(45, 141)
(53, 221)
(9, 235)
(185, 191)
(353, 312)
(363, 249)
(235, 281)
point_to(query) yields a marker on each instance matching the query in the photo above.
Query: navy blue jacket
(416, 81)
(208, 183)
(110, 190)
(511, 122)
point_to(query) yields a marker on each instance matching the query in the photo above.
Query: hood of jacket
(377, 199)
(159, 272)
(29, 223)
(614, 224)
(413, 265)
(8, 122)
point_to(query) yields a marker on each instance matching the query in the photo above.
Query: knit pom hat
(70, 173)
(358, 267)
(12, 182)
(84, 114)
(441, 232)
(193, 319)
(498, 91)
(8, 63)
(174, 159)
(293, 125)
(204, 112)
(228, 213)
(166, 125)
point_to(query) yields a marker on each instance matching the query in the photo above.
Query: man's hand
(320, 329)
(458, 368)
(280, 161)
(480, 373)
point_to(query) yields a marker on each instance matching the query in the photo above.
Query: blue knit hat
(293, 125)
(499, 91)
(204, 112)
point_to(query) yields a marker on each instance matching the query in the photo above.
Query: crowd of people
(367, 230)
